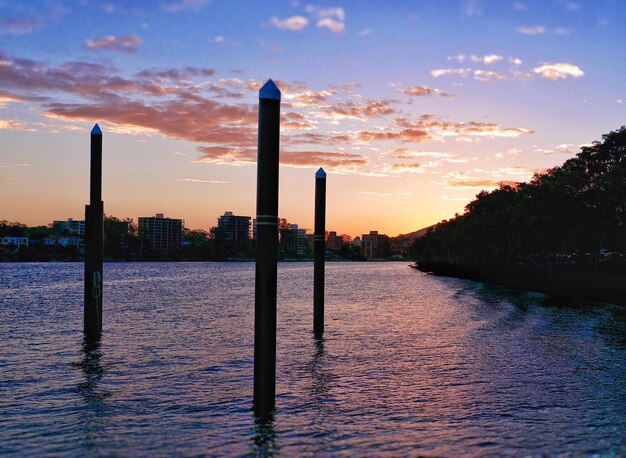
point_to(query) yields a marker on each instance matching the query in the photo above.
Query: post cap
(96, 130)
(320, 173)
(269, 91)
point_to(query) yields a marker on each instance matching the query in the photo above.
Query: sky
(411, 107)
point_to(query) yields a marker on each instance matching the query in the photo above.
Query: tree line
(571, 214)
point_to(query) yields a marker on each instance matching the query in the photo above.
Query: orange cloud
(470, 184)
(239, 156)
(425, 91)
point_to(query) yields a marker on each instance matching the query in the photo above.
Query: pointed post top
(269, 91)
(320, 173)
(96, 130)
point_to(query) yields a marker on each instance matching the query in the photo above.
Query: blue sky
(412, 107)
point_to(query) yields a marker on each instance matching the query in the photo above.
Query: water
(410, 364)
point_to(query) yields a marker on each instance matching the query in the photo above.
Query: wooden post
(319, 251)
(266, 251)
(94, 242)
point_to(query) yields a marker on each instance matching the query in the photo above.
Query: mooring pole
(319, 251)
(94, 246)
(266, 251)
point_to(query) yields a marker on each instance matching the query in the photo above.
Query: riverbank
(603, 283)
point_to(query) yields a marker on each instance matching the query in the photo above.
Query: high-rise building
(375, 245)
(164, 234)
(293, 241)
(69, 227)
(233, 227)
(334, 241)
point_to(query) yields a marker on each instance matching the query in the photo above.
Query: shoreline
(601, 284)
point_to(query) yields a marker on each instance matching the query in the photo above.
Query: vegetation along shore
(562, 233)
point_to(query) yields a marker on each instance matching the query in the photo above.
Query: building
(14, 241)
(401, 249)
(293, 241)
(375, 245)
(233, 227)
(69, 227)
(66, 241)
(164, 234)
(333, 241)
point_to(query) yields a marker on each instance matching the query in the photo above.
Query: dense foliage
(574, 213)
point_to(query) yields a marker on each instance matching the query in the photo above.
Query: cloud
(14, 165)
(385, 194)
(489, 59)
(20, 26)
(293, 23)
(561, 70)
(531, 30)
(222, 40)
(174, 74)
(414, 167)
(471, 184)
(514, 152)
(565, 148)
(295, 121)
(355, 110)
(184, 5)
(403, 153)
(333, 160)
(485, 75)
(345, 162)
(127, 44)
(11, 124)
(198, 119)
(455, 198)
(365, 32)
(330, 12)
(199, 180)
(450, 71)
(425, 91)
(331, 24)
(405, 135)
(480, 75)
(308, 98)
(437, 128)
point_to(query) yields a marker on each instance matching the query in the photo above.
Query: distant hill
(410, 237)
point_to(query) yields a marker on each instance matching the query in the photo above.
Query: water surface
(410, 364)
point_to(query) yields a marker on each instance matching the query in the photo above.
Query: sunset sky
(412, 107)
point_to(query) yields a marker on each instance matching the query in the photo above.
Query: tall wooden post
(319, 251)
(94, 242)
(266, 251)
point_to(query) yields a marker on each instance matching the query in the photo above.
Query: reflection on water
(93, 371)
(409, 364)
(264, 436)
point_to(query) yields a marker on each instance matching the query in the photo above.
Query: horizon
(408, 107)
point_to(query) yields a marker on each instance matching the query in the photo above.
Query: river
(410, 364)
